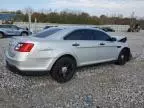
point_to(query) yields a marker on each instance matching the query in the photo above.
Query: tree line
(66, 17)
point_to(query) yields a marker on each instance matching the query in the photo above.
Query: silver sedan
(61, 49)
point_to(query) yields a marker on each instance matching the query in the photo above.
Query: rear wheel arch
(67, 55)
(2, 33)
(24, 32)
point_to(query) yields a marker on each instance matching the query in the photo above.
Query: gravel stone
(98, 86)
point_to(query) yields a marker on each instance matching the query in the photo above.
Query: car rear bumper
(30, 64)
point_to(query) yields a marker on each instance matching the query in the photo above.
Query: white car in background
(61, 49)
(8, 30)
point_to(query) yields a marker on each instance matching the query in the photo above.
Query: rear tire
(24, 34)
(63, 70)
(1, 35)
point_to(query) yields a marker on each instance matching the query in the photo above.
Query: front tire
(123, 57)
(1, 35)
(63, 70)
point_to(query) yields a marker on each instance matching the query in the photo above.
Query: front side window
(14, 27)
(101, 36)
(47, 33)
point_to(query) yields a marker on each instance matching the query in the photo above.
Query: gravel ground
(99, 86)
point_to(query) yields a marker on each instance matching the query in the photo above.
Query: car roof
(76, 28)
(66, 30)
(7, 25)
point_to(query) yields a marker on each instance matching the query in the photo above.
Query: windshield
(47, 33)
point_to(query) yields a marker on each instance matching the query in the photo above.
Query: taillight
(24, 47)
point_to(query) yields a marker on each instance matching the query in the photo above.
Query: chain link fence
(36, 27)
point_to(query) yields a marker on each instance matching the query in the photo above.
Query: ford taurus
(60, 50)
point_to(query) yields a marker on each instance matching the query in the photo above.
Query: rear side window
(83, 34)
(4, 26)
(14, 27)
(47, 33)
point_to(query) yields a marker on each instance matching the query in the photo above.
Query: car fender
(59, 54)
(62, 52)
(3, 32)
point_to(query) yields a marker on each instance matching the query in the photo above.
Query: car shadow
(27, 73)
(47, 73)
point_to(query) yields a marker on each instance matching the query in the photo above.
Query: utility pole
(29, 11)
(132, 18)
(29, 17)
(35, 25)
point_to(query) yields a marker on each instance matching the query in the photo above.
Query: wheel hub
(122, 56)
(64, 70)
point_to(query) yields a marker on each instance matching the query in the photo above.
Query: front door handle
(102, 43)
(75, 44)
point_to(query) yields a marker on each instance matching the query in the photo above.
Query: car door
(8, 29)
(83, 46)
(107, 49)
(15, 30)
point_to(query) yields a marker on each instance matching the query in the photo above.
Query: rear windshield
(47, 33)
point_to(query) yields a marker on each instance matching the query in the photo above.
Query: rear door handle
(102, 43)
(75, 44)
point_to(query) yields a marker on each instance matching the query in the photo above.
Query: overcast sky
(93, 7)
